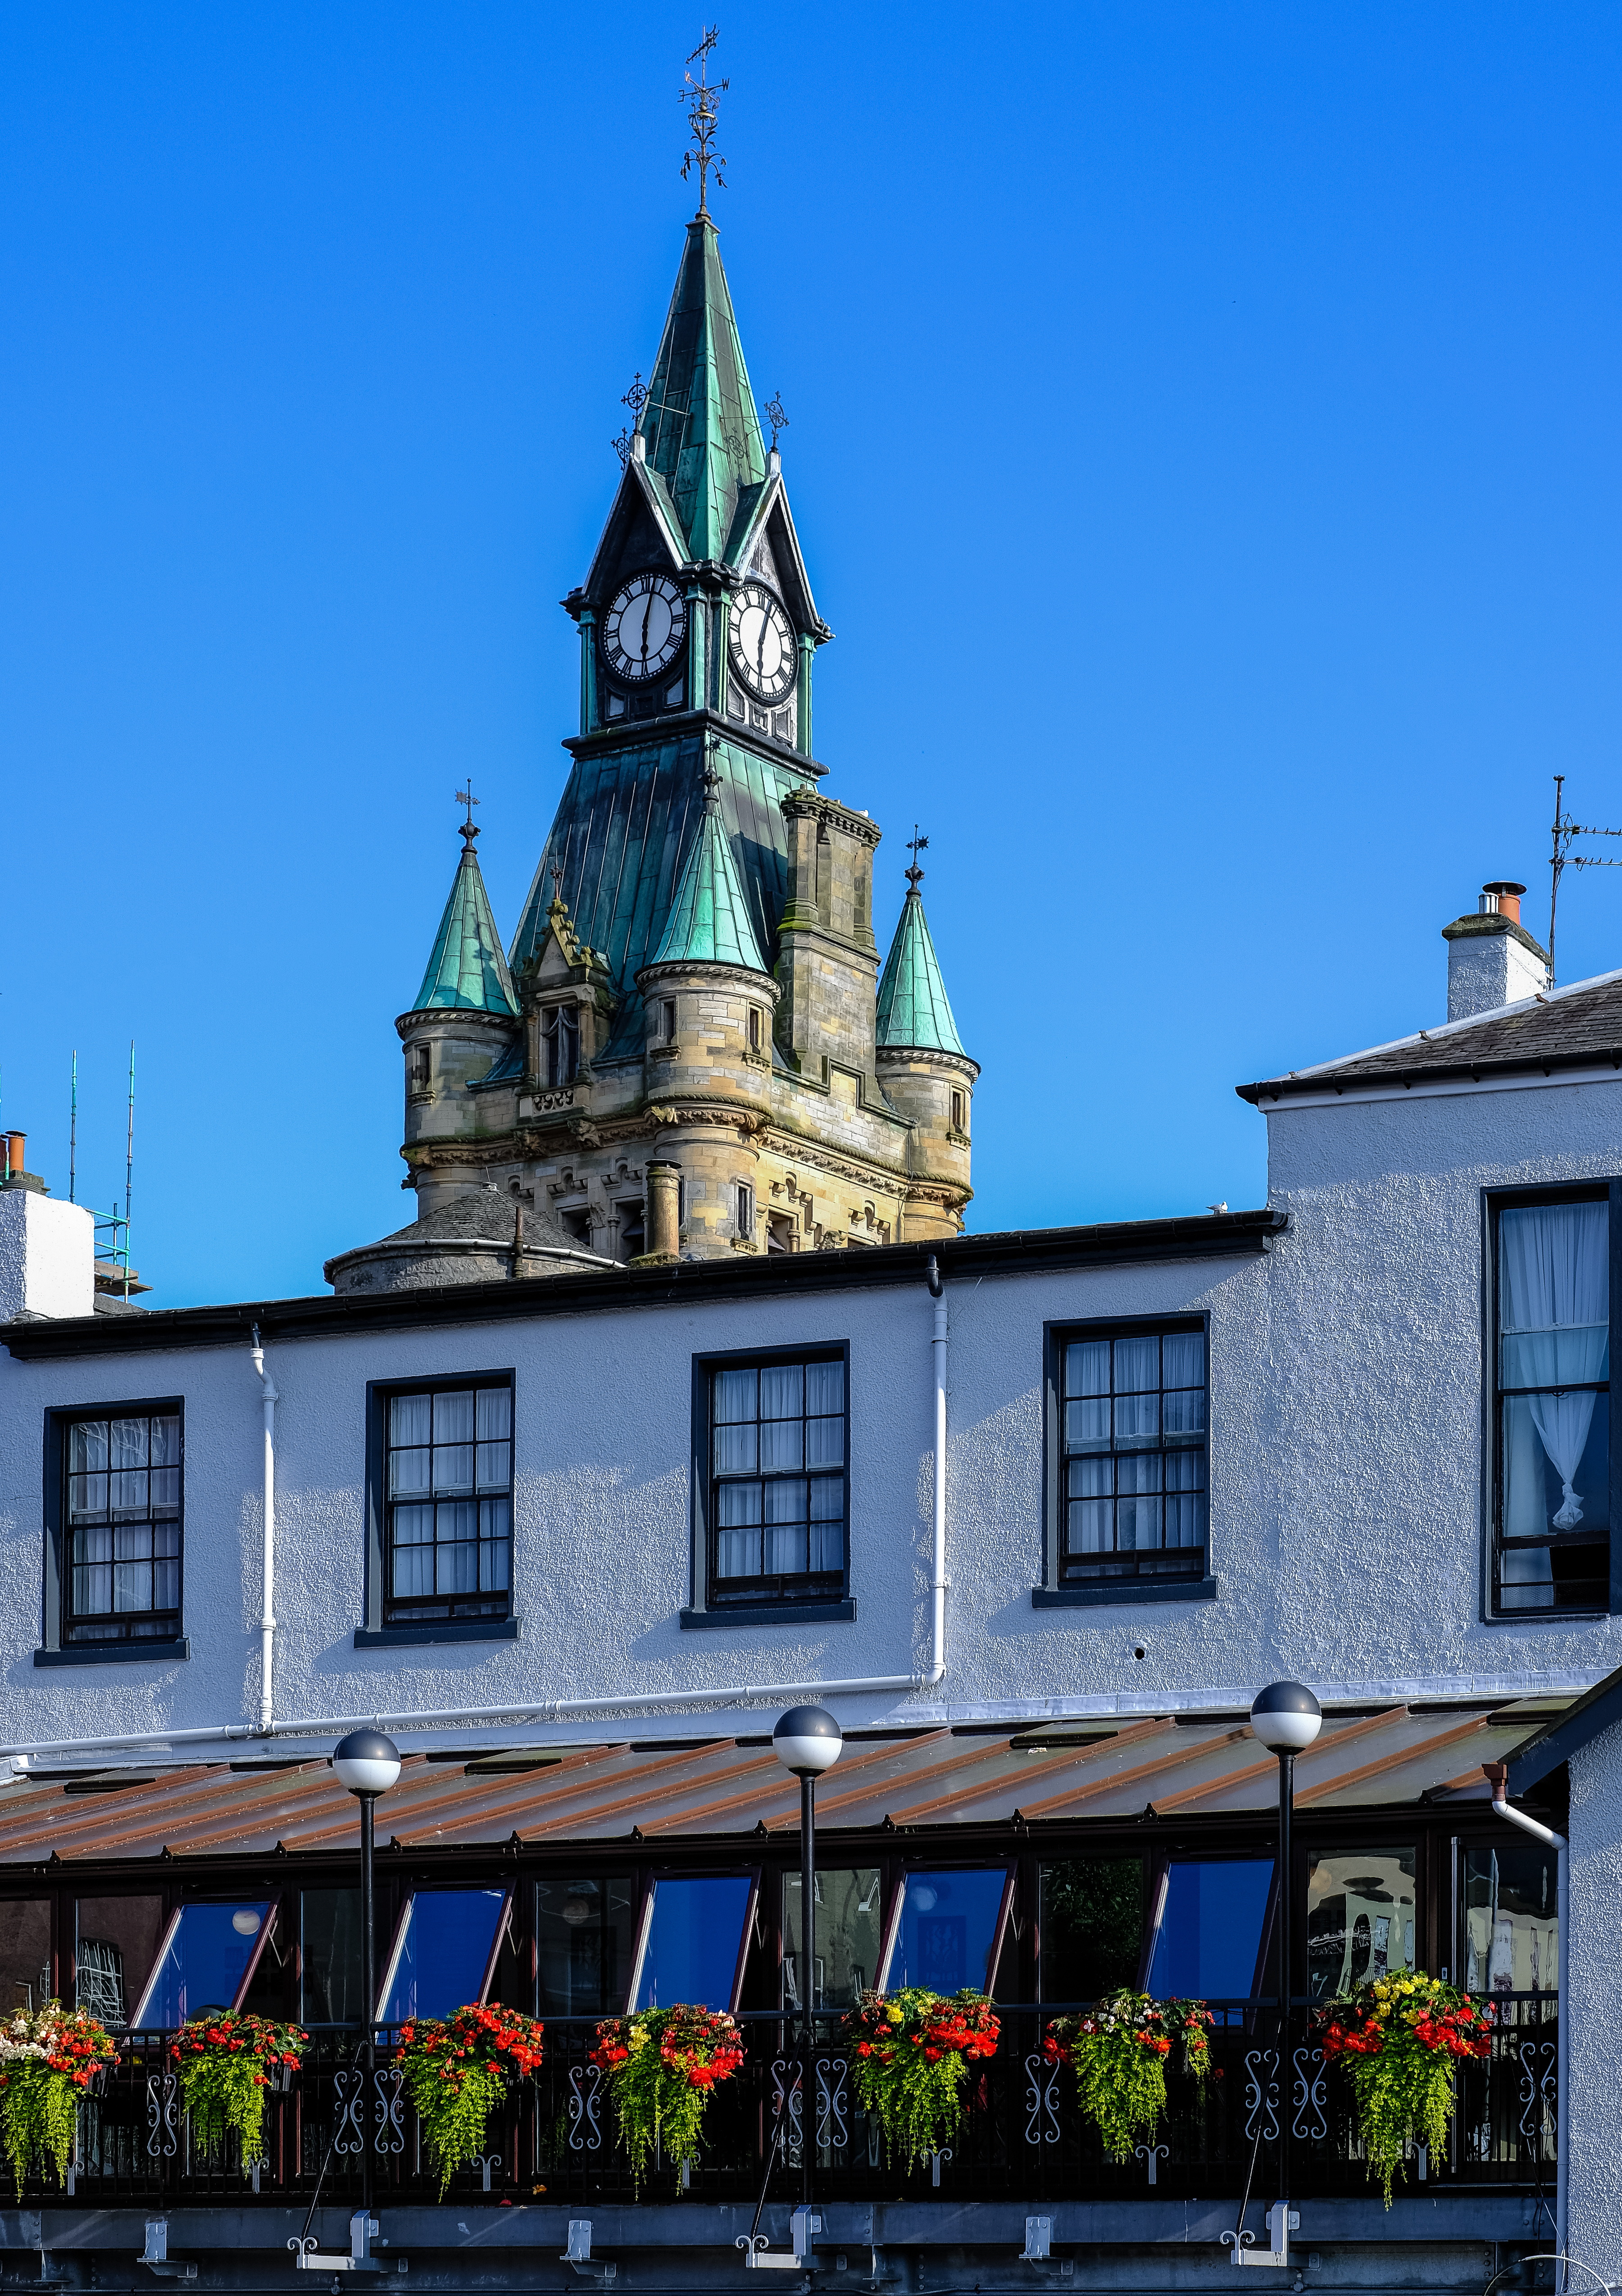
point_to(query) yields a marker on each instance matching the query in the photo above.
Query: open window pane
(585, 1932)
(116, 1941)
(1360, 1915)
(442, 1954)
(1512, 1920)
(848, 1935)
(1092, 1927)
(330, 1957)
(694, 1936)
(1208, 1935)
(205, 1962)
(947, 1929)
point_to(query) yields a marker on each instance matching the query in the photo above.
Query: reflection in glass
(1512, 1920)
(1359, 1917)
(330, 1957)
(948, 1930)
(204, 1963)
(585, 1932)
(116, 1940)
(848, 1935)
(694, 1941)
(444, 1951)
(25, 1954)
(1091, 1936)
(1208, 1930)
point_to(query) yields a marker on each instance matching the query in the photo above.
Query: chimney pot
(1502, 894)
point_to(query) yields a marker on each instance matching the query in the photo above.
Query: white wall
(1592, 1958)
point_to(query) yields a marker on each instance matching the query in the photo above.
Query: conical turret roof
(710, 920)
(467, 971)
(912, 1008)
(702, 432)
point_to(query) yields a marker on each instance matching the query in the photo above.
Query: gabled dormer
(568, 1001)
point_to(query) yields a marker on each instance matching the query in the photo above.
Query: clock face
(760, 642)
(644, 626)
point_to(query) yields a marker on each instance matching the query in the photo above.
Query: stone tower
(689, 1052)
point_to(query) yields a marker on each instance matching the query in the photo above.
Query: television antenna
(1561, 856)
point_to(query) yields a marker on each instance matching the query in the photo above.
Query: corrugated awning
(1044, 1774)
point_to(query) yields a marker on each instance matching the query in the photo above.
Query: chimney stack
(1491, 959)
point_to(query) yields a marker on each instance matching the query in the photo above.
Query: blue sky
(1202, 436)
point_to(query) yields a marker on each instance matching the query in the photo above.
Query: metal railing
(1022, 2133)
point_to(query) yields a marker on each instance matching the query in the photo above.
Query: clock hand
(761, 649)
(647, 616)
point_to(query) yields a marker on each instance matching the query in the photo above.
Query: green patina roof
(912, 1007)
(467, 971)
(700, 422)
(710, 920)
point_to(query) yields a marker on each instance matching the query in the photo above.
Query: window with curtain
(122, 1578)
(1551, 1549)
(448, 1477)
(777, 1494)
(1131, 1455)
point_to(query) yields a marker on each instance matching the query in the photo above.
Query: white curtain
(1554, 1328)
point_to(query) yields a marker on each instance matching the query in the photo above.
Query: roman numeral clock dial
(644, 626)
(760, 645)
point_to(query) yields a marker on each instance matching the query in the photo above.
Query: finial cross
(914, 846)
(777, 415)
(556, 873)
(466, 797)
(702, 98)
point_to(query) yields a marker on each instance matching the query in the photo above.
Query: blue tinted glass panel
(206, 1962)
(1210, 1932)
(444, 1954)
(693, 1942)
(948, 1927)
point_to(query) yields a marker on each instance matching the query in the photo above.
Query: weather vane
(466, 797)
(702, 98)
(777, 415)
(635, 398)
(914, 846)
(556, 873)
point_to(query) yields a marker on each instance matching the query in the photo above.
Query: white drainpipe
(267, 1622)
(551, 1710)
(1498, 1777)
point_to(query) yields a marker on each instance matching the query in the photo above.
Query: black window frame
(1607, 1191)
(380, 1631)
(1058, 1591)
(833, 1604)
(56, 1648)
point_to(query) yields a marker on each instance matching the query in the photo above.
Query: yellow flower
(893, 2014)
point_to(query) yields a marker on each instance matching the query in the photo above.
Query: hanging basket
(1118, 2051)
(909, 2052)
(458, 2069)
(228, 2066)
(662, 2065)
(49, 2059)
(1400, 2040)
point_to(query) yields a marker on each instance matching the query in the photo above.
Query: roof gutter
(556, 1710)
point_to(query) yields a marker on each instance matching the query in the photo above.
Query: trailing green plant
(1400, 2040)
(909, 2052)
(228, 2065)
(48, 2058)
(661, 2066)
(457, 2070)
(1119, 2050)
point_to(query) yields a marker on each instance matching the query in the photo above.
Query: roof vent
(1491, 959)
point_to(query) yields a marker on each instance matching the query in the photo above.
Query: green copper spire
(702, 432)
(709, 919)
(467, 971)
(912, 1007)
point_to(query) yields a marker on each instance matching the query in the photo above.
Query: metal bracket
(1038, 2250)
(578, 2253)
(1280, 2223)
(156, 2255)
(308, 2257)
(757, 2257)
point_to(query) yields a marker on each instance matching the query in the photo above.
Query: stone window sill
(1117, 1591)
(438, 1630)
(116, 1654)
(774, 1614)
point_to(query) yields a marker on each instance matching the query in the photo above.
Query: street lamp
(807, 1741)
(368, 1763)
(1286, 1717)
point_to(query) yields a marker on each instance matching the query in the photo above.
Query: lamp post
(368, 1763)
(807, 1741)
(1286, 1717)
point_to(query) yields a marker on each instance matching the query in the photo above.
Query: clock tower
(692, 1053)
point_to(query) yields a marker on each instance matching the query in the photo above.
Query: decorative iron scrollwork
(831, 2132)
(1539, 2091)
(389, 2108)
(1154, 2155)
(162, 2135)
(1262, 2095)
(348, 2088)
(585, 2130)
(785, 2084)
(1041, 2100)
(1310, 2122)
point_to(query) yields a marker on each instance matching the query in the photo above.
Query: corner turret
(925, 1071)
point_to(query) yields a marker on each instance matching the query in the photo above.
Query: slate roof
(912, 1007)
(1580, 1026)
(710, 921)
(700, 422)
(467, 971)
